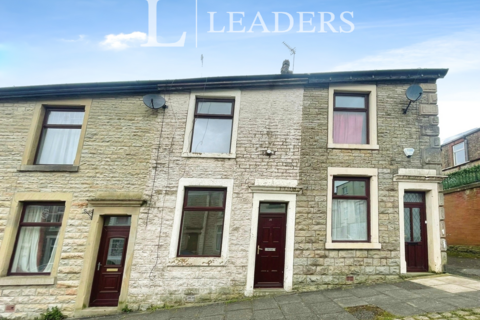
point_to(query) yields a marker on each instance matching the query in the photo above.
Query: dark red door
(270, 258)
(110, 264)
(416, 246)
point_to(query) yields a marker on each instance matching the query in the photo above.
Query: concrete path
(467, 267)
(439, 297)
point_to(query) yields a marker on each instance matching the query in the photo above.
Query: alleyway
(434, 297)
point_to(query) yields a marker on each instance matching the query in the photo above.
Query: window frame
(200, 209)
(365, 110)
(372, 132)
(369, 173)
(34, 224)
(48, 109)
(36, 129)
(198, 115)
(464, 152)
(352, 197)
(230, 94)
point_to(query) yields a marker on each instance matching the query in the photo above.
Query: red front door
(270, 257)
(110, 264)
(416, 246)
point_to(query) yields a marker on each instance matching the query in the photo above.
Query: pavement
(467, 267)
(434, 297)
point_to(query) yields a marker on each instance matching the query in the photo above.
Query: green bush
(52, 314)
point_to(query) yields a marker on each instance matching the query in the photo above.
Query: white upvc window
(459, 153)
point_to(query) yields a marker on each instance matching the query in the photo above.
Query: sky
(73, 41)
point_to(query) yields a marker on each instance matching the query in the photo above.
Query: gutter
(252, 81)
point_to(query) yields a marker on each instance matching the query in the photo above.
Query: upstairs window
(37, 239)
(212, 128)
(350, 209)
(60, 136)
(201, 231)
(459, 155)
(350, 118)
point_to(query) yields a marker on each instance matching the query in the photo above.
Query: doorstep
(96, 311)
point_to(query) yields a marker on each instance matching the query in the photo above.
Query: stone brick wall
(269, 119)
(316, 267)
(462, 216)
(115, 157)
(130, 148)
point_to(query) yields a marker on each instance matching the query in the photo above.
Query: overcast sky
(69, 41)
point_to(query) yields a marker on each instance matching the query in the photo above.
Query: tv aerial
(154, 101)
(414, 93)
(292, 52)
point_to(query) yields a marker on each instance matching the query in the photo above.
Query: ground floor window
(201, 230)
(37, 238)
(350, 209)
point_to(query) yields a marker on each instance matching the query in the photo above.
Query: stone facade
(132, 150)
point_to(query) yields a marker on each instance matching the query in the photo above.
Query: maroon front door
(107, 281)
(416, 246)
(270, 257)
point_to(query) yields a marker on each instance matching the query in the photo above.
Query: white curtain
(27, 247)
(349, 220)
(49, 266)
(58, 146)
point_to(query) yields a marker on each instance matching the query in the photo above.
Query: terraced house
(243, 185)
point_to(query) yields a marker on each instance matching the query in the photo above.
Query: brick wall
(473, 152)
(462, 217)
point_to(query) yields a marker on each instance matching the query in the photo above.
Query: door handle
(98, 266)
(258, 249)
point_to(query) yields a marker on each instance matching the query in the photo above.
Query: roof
(229, 82)
(459, 136)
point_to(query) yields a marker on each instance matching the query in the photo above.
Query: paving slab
(325, 308)
(338, 293)
(266, 303)
(288, 298)
(212, 310)
(289, 309)
(239, 305)
(337, 316)
(350, 302)
(384, 287)
(401, 294)
(402, 309)
(462, 302)
(313, 297)
(431, 305)
(244, 314)
(269, 314)
(363, 292)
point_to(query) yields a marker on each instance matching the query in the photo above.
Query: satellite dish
(154, 101)
(414, 92)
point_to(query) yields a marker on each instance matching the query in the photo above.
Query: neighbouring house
(461, 162)
(239, 184)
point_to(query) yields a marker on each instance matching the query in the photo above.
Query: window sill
(353, 146)
(208, 155)
(48, 168)
(27, 281)
(352, 245)
(197, 262)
